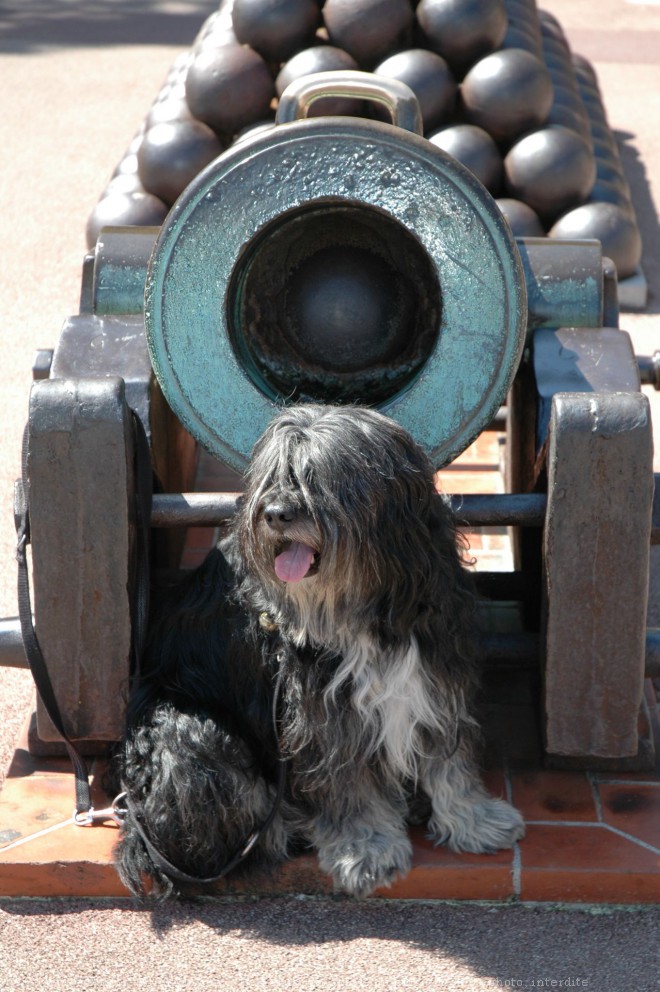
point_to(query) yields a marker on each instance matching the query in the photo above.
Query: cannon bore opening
(334, 302)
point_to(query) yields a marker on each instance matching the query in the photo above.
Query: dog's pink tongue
(293, 564)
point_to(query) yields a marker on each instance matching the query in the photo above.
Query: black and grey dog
(340, 580)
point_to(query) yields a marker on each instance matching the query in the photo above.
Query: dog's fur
(375, 646)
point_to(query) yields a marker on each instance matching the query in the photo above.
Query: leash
(115, 812)
(84, 813)
(176, 874)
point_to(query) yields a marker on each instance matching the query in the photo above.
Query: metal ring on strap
(298, 173)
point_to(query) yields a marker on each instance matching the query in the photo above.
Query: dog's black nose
(279, 515)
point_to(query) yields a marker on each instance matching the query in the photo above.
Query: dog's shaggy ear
(426, 587)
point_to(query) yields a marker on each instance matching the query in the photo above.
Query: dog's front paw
(359, 867)
(481, 827)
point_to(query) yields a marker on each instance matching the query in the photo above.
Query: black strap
(142, 583)
(171, 870)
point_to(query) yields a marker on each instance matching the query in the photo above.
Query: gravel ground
(323, 945)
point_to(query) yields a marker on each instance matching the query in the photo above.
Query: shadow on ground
(36, 25)
(647, 216)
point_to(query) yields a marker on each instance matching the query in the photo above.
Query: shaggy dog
(340, 580)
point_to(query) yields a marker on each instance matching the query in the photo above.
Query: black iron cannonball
(552, 170)
(320, 58)
(462, 30)
(604, 145)
(120, 209)
(368, 30)
(611, 171)
(229, 87)
(217, 38)
(616, 229)
(341, 308)
(129, 163)
(275, 28)
(475, 149)
(124, 182)
(429, 77)
(523, 221)
(507, 93)
(218, 29)
(171, 155)
(604, 191)
(562, 115)
(520, 36)
(165, 111)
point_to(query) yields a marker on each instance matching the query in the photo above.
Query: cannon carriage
(348, 260)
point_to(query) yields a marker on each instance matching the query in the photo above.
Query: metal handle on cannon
(398, 98)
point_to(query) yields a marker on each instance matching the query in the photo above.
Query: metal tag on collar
(266, 622)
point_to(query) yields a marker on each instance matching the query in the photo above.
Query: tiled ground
(591, 837)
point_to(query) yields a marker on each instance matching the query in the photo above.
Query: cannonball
(253, 130)
(615, 228)
(609, 192)
(522, 35)
(124, 182)
(220, 20)
(611, 171)
(128, 164)
(348, 309)
(219, 31)
(523, 221)
(175, 92)
(136, 141)
(165, 111)
(229, 87)
(604, 146)
(171, 155)
(320, 58)
(585, 70)
(564, 116)
(462, 31)
(216, 39)
(507, 93)
(475, 149)
(552, 170)
(275, 28)
(368, 30)
(429, 77)
(122, 209)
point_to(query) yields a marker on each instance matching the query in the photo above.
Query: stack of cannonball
(498, 88)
